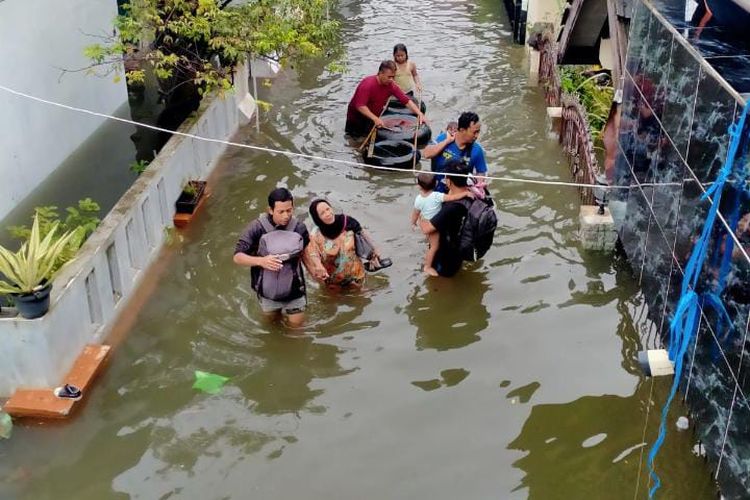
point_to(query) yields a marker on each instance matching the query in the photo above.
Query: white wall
(37, 38)
(543, 11)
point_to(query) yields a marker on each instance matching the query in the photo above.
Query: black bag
(477, 229)
(363, 248)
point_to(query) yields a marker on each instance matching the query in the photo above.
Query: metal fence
(549, 77)
(575, 138)
(575, 135)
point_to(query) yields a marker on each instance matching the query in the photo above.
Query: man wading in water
(370, 98)
(272, 246)
(462, 145)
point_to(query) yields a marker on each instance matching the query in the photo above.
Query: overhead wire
(295, 154)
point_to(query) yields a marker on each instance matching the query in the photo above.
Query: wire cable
(373, 167)
(314, 157)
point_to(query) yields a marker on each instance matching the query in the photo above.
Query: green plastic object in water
(209, 382)
(6, 425)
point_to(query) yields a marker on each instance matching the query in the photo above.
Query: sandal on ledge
(68, 391)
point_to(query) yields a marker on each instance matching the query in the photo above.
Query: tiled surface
(674, 129)
(724, 41)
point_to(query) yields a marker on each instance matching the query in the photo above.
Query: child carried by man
(426, 205)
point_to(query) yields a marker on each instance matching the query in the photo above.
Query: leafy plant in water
(138, 167)
(265, 106)
(595, 98)
(35, 262)
(80, 221)
(337, 67)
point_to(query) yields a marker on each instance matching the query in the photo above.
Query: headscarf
(330, 231)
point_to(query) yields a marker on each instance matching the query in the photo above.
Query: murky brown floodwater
(515, 379)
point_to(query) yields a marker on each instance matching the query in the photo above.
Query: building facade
(680, 97)
(38, 40)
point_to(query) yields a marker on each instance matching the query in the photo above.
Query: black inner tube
(397, 154)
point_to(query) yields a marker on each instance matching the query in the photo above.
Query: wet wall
(684, 85)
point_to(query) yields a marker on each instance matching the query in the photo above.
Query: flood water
(514, 379)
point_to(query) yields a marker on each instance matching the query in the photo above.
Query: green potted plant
(190, 197)
(28, 272)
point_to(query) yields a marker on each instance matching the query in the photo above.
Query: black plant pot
(35, 304)
(187, 202)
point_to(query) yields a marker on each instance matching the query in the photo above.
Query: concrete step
(42, 403)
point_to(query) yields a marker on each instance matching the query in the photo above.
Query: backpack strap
(466, 153)
(467, 202)
(268, 226)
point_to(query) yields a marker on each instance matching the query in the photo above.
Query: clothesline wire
(314, 157)
(294, 154)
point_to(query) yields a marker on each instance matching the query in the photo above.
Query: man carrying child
(427, 205)
(447, 222)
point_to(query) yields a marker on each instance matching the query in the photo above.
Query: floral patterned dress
(339, 257)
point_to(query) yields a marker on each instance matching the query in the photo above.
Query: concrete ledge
(42, 403)
(554, 120)
(597, 231)
(90, 291)
(534, 61)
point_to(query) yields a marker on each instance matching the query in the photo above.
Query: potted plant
(190, 197)
(28, 273)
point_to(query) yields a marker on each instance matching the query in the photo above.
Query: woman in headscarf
(333, 243)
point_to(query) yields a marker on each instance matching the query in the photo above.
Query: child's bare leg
(433, 240)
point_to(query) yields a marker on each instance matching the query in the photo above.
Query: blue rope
(684, 324)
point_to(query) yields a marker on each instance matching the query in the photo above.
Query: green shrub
(593, 89)
(81, 221)
(138, 167)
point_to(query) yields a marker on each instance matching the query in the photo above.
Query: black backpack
(477, 229)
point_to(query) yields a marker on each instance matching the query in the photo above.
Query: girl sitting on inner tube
(407, 77)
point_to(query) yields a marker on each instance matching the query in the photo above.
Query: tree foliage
(199, 41)
(593, 89)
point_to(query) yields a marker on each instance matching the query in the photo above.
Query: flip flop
(384, 262)
(68, 391)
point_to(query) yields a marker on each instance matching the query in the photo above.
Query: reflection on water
(562, 442)
(462, 314)
(414, 388)
(277, 388)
